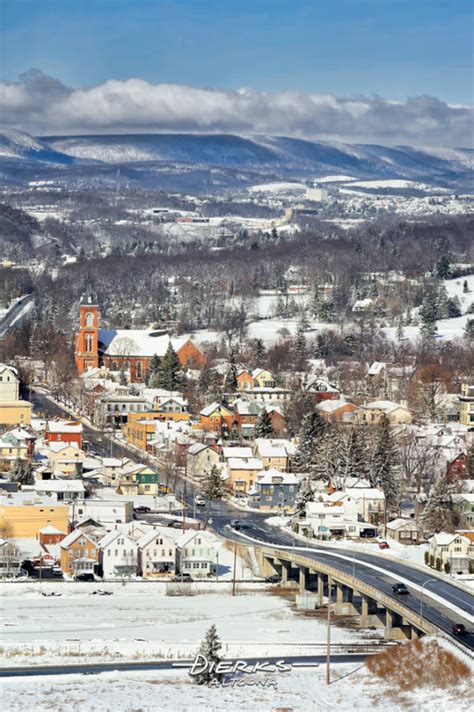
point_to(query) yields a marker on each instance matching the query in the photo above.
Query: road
(15, 314)
(96, 668)
(371, 568)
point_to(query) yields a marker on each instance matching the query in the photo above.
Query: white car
(199, 500)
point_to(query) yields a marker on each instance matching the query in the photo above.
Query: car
(142, 509)
(399, 589)
(182, 577)
(199, 500)
(384, 545)
(236, 524)
(172, 523)
(458, 629)
(272, 579)
(85, 576)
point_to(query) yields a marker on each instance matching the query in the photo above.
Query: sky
(350, 52)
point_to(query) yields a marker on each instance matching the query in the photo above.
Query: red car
(384, 545)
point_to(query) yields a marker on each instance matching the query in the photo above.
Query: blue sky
(392, 48)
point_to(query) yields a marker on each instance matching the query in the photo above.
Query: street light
(422, 587)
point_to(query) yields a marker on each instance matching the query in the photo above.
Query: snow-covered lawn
(353, 687)
(140, 620)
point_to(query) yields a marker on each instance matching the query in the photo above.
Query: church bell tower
(87, 338)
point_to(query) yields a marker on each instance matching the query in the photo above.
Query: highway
(96, 668)
(15, 314)
(456, 605)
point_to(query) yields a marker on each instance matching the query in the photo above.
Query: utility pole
(235, 567)
(328, 639)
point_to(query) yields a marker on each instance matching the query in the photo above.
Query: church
(130, 350)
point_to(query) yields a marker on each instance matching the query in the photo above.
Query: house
(370, 502)
(113, 408)
(50, 535)
(156, 553)
(322, 389)
(243, 472)
(11, 451)
(465, 405)
(21, 436)
(244, 380)
(65, 459)
(10, 558)
(130, 350)
(229, 451)
(373, 412)
(135, 478)
(464, 504)
(26, 513)
(274, 453)
(63, 490)
(64, 431)
(405, 531)
(245, 416)
(172, 408)
(277, 419)
(265, 396)
(13, 410)
(336, 409)
(274, 490)
(216, 418)
(200, 459)
(117, 510)
(197, 553)
(326, 519)
(118, 554)
(456, 550)
(263, 378)
(79, 553)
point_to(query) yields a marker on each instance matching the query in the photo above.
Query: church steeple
(88, 296)
(87, 340)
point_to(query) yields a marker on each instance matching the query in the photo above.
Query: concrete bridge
(351, 596)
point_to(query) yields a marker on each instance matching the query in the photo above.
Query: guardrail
(356, 583)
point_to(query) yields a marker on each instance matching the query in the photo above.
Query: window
(89, 343)
(89, 319)
(139, 369)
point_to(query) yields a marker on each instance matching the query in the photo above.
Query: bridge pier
(370, 616)
(303, 574)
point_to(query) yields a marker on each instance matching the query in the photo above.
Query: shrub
(470, 566)
(447, 567)
(427, 558)
(439, 564)
(431, 560)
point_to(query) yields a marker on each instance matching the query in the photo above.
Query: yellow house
(263, 378)
(466, 404)
(10, 451)
(65, 458)
(456, 549)
(26, 514)
(140, 429)
(372, 413)
(15, 412)
(243, 472)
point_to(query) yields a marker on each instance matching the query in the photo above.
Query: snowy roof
(245, 463)
(385, 405)
(207, 537)
(137, 342)
(209, 409)
(267, 477)
(234, 452)
(247, 407)
(444, 538)
(50, 530)
(60, 446)
(111, 536)
(59, 486)
(330, 406)
(196, 448)
(401, 522)
(64, 426)
(364, 493)
(71, 538)
(154, 533)
(376, 368)
(275, 447)
(6, 367)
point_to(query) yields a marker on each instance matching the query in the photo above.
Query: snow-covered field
(167, 625)
(352, 687)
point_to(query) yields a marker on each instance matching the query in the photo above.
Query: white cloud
(43, 105)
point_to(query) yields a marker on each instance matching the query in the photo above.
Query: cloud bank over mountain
(41, 104)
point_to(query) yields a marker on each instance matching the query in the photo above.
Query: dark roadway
(255, 527)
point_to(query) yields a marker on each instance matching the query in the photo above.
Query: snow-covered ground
(352, 687)
(139, 620)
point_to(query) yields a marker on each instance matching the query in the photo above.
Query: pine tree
(300, 349)
(305, 495)
(122, 378)
(209, 649)
(453, 308)
(152, 372)
(437, 514)
(264, 425)
(212, 489)
(170, 374)
(312, 429)
(429, 315)
(469, 331)
(383, 464)
(259, 352)
(231, 377)
(443, 267)
(465, 287)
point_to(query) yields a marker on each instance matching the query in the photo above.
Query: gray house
(274, 491)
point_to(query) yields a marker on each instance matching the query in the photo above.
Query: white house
(197, 553)
(456, 549)
(66, 490)
(156, 552)
(118, 554)
(115, 510)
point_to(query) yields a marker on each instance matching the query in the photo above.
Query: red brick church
(125, 349)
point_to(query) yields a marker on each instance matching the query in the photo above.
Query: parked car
(142, 509)
(272, 579)
(85, 576)
(399, 589)
(384, 545)
(182, 577)
(173, 522)
(236, 524)
(199, 501)
(458, 629)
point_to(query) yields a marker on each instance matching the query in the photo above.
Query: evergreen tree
(122, 378)
(209, 649)
(437, 514)
(212, 489)
(312, 429)
(152, 372)
(469, 331)
(259, 352)
(443, 267)
(453, 308)
(231, 377)
(354, 454)
(383, 464)
(305, 495)
(429, 316)
(264, 425)
(300, 349)
(465, 287)
(170, 375)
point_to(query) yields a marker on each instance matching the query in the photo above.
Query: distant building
(13, 410)
(466, 404)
